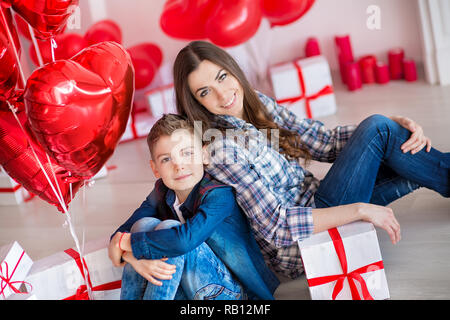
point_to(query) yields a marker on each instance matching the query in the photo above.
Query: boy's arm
(146, 209)
(216, 206)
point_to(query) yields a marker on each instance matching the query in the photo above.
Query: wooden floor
(416, 268)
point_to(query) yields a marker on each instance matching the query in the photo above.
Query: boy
(203, 248)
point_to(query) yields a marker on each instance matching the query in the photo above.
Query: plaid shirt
(275, 193)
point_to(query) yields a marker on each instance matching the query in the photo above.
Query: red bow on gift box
(6, 278)
(352, 276)
(325, 90)
(82, 292)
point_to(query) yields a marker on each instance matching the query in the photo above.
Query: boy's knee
(167, 224)
(145, 224)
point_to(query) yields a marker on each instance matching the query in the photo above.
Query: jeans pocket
(216, 292)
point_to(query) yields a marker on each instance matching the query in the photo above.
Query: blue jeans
(371, 167)
(199, 275)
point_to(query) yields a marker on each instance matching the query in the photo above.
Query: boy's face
(178, 160)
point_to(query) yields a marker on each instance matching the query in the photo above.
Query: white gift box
(363, 259)
(101, 174)
(11, 193)
(22, 296)
(161, 100)
(15, 265)
(59, 277)
(138, 126)
(317, 82)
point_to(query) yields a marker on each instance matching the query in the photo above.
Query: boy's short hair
(165, 126)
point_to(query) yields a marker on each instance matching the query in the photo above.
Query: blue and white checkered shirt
(275, 193)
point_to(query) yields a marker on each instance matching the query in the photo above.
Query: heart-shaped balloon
(186, 19)
(78, 108)
(47, 17)
(233, 22)
(19, 161)
(9, 73)
(104, 30)
(282, 12)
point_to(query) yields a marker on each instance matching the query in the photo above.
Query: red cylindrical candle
(312, 47)
(382, 73)
(344, 53)
(367, 65)
(353, 76)
(395, 57)
(409, 69)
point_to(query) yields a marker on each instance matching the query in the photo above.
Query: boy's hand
(152, 270)
(114, 252)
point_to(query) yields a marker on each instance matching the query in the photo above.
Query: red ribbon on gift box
(352, 276)
(6, 280)
(17, 187)
(82, 292)
(326, 90)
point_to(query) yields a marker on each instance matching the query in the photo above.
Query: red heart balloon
(282, 12)
(186, 19)
(18, 160)
(233, 22)
(78, 108)
(47, 17)
(147, 51)
(104, 30)
(9, 73)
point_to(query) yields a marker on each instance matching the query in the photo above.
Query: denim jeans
(372, 168)
(199, 275)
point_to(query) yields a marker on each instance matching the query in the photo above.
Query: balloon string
(53, 47)
(37, 48)
(13, 44)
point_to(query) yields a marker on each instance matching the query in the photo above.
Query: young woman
(374, 163)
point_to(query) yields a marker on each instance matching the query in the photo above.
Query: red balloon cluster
(227, 22)
(146, 57)
(69, 44)
(72, 112)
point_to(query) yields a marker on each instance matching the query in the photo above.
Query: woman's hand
(418, 140)
(152, 270)
(382, 217)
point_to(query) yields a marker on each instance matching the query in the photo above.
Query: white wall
(139, 20)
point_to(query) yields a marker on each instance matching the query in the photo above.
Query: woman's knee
(167, 224)
(376, 122)
(145, 224)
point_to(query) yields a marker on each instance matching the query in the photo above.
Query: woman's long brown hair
(255, 112)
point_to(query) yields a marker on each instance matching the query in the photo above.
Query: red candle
(409, 68)
(353, 76)
(395, 57)
(344, 53)
(367, 65)
(312, 47)
(382, 73)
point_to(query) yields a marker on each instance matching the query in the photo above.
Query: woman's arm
(383, 217)
(323, 144)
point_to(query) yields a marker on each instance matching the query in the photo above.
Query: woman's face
(217, 90)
